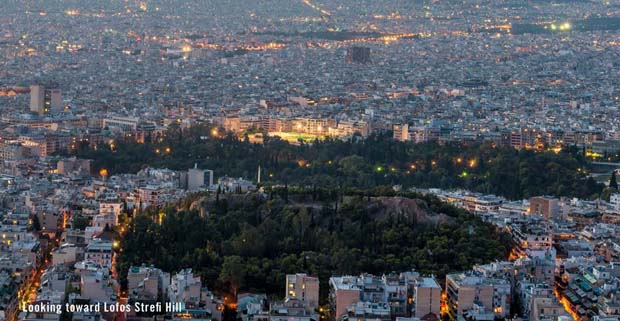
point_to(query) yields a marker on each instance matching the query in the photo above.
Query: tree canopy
(364, 163)
(249, 242)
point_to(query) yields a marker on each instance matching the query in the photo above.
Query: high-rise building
(304, 288)
(44, 100)
(358, 55)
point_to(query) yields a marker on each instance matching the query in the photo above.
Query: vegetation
(80, 222)
(613, 183)
(375, 161)
(249, 242)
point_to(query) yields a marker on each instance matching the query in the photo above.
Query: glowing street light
(472, 163)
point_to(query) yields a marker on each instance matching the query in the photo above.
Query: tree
(233, 272)
(612, 181)
(360, 163)
(79, 222)
(36, 225)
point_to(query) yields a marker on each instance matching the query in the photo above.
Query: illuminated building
(44, 100)
(467, 292)
(400, 132)
(12, 150)
(531, 239)
(547, 309)
(124, 123)
(304, 288)
(100, 252)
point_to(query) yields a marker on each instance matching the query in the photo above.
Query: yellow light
(472, 163)
(103, 172)
(72, 12)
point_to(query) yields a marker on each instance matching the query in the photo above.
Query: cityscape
(309, 160)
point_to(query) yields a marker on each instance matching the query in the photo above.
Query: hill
(250, 242)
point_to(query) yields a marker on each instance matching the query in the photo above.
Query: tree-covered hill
(249, 242)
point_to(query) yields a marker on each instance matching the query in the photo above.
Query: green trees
(79, 222)
(612, 181)
(252, 243)
(375, 161)
(36, 224)
(233, 272)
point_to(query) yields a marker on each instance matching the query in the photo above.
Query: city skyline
(309, 160)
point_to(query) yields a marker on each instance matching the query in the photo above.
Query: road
(27, 292)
